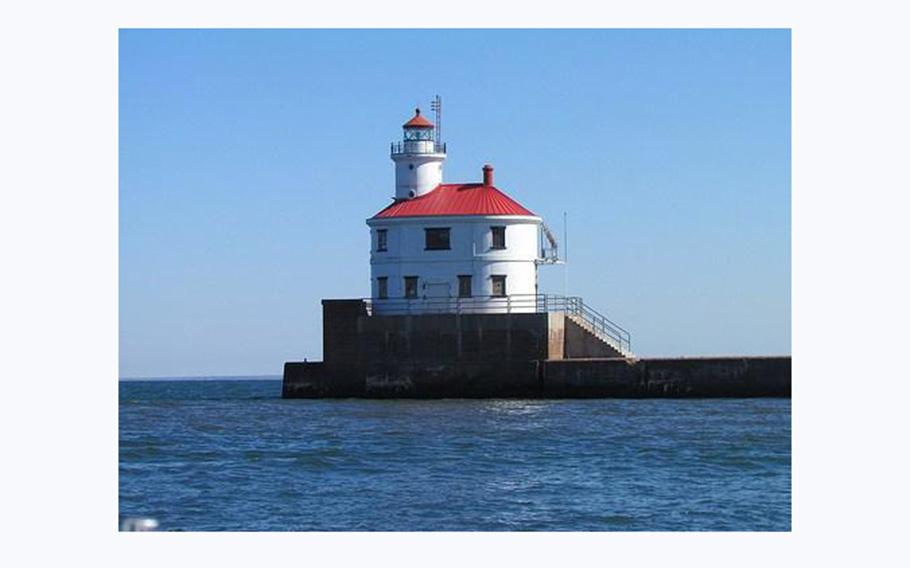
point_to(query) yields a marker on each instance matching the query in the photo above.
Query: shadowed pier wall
(505, 356)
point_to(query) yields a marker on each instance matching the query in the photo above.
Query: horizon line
(199, 377)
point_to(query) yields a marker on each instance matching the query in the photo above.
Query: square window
(464, 286)
(437, 239)
(382, 287)
(382, 240)
(499, 285)
(499, 237)
(410, 286)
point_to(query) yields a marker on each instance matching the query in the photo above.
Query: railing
(612, 332)
(597, 323)
(410, 147)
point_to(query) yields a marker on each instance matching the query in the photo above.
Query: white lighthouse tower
(462, 247)
(418, 159)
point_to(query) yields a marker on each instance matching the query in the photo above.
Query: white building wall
(471, 253)
(417, 173)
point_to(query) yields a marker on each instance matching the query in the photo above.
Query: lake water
(232, 455)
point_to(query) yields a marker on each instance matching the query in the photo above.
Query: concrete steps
(584, 341)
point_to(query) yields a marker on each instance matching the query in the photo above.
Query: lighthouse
(455, 310)
(451, 247)
(418, 158)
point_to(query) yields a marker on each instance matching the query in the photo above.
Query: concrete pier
(528, 355)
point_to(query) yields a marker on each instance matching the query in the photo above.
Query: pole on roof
(436, 106)
(565, 254)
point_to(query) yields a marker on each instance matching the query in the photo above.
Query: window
(499, 285)
(410, 286)
(464, 286)
(418, 134)
(437, 239)
(382, 240)
(382, 287)
(499, 237)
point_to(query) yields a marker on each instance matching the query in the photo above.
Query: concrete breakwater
(567, 378)
(532, 355)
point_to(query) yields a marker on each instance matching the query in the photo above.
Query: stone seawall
(524, 355)
(701, 377)
(733, 377)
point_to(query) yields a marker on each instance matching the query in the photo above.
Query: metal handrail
(600, 325)
(399, 147)
(606, 328)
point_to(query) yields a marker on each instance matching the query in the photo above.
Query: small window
(499, 285)
(382, 287)
(382, 240)
(410, 286)
(464, 286)
(437, 239)
(499, 237)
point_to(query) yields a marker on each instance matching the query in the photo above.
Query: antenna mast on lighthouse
(436, 106)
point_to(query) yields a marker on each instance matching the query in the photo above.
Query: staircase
(596, 335)
(583, 342)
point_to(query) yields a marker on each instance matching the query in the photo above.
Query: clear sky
(249, 161)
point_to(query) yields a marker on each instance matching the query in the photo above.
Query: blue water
(232, 455)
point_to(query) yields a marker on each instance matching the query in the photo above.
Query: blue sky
(249, 161)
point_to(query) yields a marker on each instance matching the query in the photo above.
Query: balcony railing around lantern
(418, 147)
(584, 315)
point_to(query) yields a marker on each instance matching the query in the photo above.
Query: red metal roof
(418, 121)
(456, 199)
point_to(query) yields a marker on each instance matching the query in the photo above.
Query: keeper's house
(447, 247)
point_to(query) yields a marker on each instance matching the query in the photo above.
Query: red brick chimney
(487, 174)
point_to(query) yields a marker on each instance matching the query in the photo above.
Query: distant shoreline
(202, 378)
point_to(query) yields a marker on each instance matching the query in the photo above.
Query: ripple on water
(231, 455)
